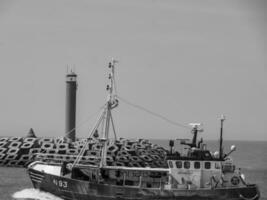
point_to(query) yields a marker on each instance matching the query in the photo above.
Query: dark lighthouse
(71, 87)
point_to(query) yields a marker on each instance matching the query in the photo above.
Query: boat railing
(59, 158)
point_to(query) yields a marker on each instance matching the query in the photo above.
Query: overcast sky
(190, 61)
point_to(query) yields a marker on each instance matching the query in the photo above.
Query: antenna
(221, 137)
(111, 87)
(195, 130)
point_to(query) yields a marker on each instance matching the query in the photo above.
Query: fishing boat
(196, 173)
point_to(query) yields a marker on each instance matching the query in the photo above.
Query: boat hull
(72, 189)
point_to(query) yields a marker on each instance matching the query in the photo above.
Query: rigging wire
(84, 121)
(77, 160)
(153, 113)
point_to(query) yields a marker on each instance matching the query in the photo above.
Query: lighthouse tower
(71, 87)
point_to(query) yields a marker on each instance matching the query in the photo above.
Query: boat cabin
(193, 173)
(123, 176)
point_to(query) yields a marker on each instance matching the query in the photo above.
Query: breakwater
(20, 151)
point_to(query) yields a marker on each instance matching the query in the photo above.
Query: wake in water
(35, 194)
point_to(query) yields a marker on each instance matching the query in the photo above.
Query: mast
(105, 119)
(221, 137)
(111, 103)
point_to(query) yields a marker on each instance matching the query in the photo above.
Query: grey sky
(187, 60)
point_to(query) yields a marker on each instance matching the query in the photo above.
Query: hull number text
(60, 183)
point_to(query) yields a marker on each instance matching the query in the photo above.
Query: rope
(87, 142)
(153, 113)
(83, 122)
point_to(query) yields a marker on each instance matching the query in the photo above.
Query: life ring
(2, 150)
(14, 145)
(27, 145)
(235, 180)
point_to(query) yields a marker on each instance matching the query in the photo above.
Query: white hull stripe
(41, 175)
(37, 176)
(36, 180)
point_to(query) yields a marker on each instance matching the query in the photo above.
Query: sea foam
(35, 194)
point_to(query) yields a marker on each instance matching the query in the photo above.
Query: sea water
(251, 157)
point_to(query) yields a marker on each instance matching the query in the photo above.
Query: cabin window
(170, 164)
(179, 164)
(207, 165)
(186, 165)
(217, 166)
(197, 165)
